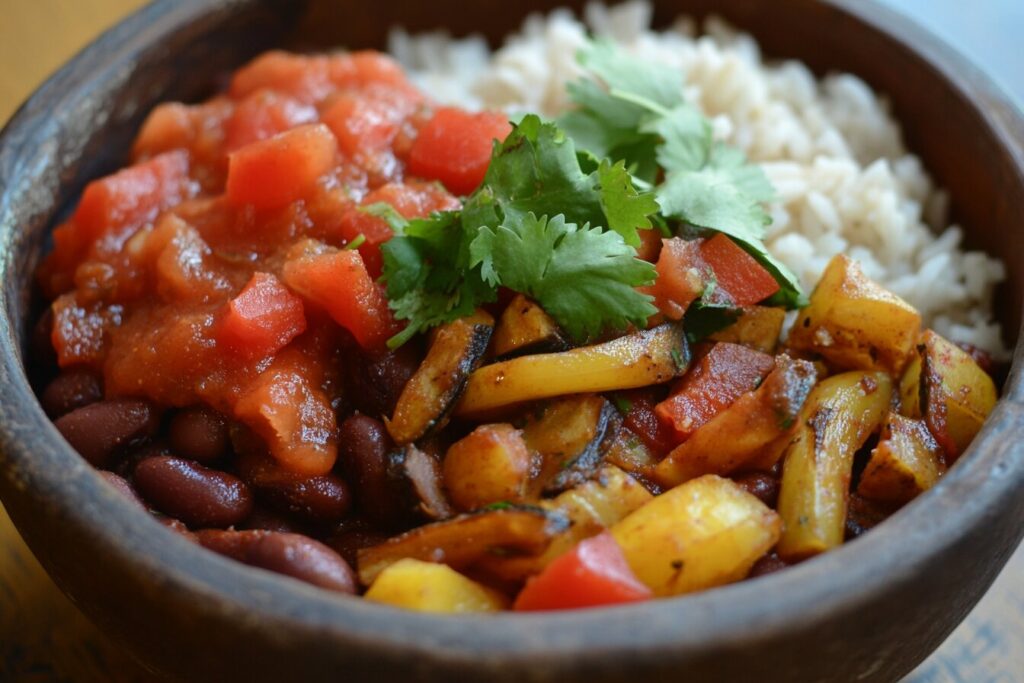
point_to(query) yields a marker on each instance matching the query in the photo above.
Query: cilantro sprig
(634, 111)
(558, 213)
(540, 225)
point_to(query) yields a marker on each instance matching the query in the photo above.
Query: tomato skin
(273, 173)
(262, 115)
(338, 282)
(737, 272)
(412, 199)
(304, 78)
(263, 318)
(455, 147)
(592, 574)
(682, 276)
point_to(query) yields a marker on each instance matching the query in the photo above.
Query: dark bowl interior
(872, 609)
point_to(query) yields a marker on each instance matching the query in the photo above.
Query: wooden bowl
(870, 610)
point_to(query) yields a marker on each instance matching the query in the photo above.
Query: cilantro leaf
(703, 319)
(585, 278)
(625, 208)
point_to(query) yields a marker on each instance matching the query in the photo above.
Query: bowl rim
(992, 471)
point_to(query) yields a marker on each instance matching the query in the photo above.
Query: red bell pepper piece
(737, 272)
(592, 574)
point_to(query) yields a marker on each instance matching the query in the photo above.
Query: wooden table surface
(43, 638)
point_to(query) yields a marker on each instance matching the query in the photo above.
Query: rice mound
(844, 179)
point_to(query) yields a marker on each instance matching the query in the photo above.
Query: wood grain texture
(42, 635)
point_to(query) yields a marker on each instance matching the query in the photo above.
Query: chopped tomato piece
(79, 334)
(263, 318)
(682, 276)
(455, 147)
(286, 406)
(592, 574)
(722, 375)
(650, 245)
(365, 68)
(262, 115)
(641, 419)
(132, 197)
(338, 282)
(367, 122)
(737, 272)
(304, 78)
(273, 173)
(411, 200)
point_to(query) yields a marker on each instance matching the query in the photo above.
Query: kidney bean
(123, 487)
(100, 431)
(764, 486)
(71, 389)
(263, 519)
(197, 495)
(177, 526)
(376, 381)
(294, 555)
(769, 564)
(324, 499)
(353, 535)
(863, 514)
(199, 433)
(363, 445)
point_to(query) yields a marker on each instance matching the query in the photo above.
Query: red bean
(197, 495)
(42, 352)
(70, 390)
(199, 433)
(294, 555)
(353, 535)
(769, 564)
(764, 486)
(263, 519)
(324, 499)
(100, 431)
(376, 381)
(363, 445)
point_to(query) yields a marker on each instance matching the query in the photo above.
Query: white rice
(835, 155)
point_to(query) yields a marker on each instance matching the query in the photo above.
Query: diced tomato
(411, 200)
(169, 126)
(79, 334)
(720, 377)
(338, 282)
(650, 245)
(737, 272)
(365, 68)
(262, 115)
(642, 420)
(263, 318)
(682, 276)
(275, 172)
(286, 406)
(455, 147)
(304, 78)
(592, 574)
(131, 197)
(367, 122)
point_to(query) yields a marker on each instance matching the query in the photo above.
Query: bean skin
(764, 486)
(100, 431)
(363, 446)
(263, 519)
(376, 381)
(197, 495)
(353, 535)
(294, 555)
(323, 499)
(70, 390)
(199, 433)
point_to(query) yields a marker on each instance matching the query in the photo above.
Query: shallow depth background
(43, 638)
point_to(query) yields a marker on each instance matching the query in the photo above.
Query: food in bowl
(324, 322)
